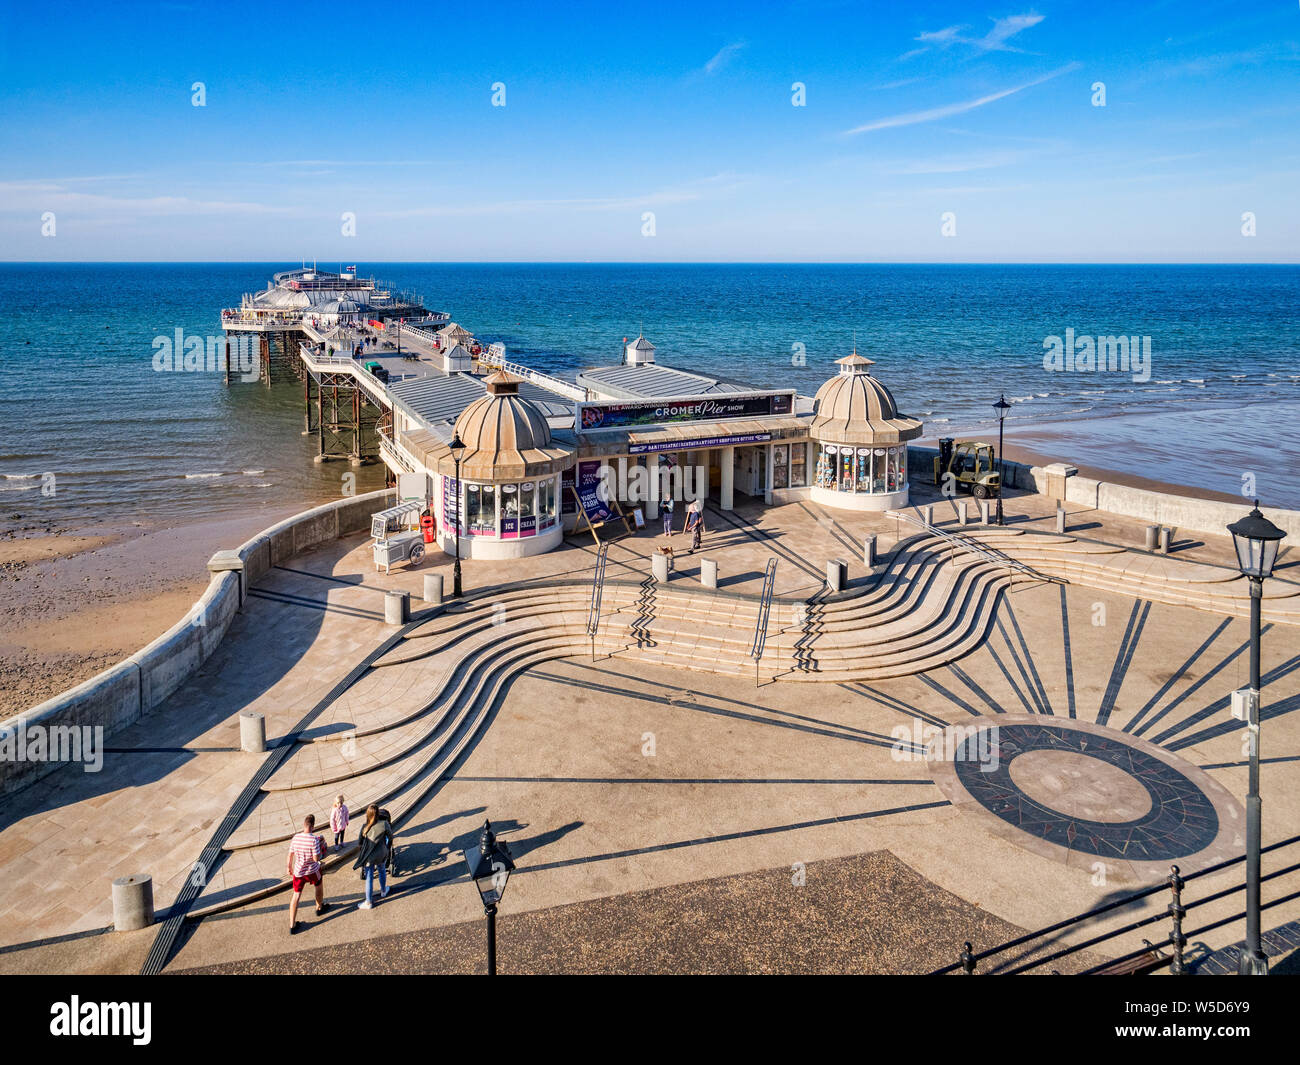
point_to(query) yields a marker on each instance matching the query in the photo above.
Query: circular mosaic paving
(1077, 789)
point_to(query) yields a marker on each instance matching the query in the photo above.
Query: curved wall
(120, 695)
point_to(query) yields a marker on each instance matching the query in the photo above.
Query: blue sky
(912, 111)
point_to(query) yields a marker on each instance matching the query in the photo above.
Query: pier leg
(226, 374)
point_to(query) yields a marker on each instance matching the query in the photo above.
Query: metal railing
(544, 380)
(764, 612)
(597, 592)
(1146, 958)
(972, 546)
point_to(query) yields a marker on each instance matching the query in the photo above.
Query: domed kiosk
(510, 477)
(860, 441)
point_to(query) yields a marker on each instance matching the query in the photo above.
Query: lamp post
(490, 866)
(457, 447)
(1256, 540)
(1000, 407)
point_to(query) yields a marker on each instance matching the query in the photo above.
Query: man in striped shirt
(305, 852)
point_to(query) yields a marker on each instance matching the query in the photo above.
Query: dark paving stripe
(322, 605)
(724, 837)
(1224, 702)
(1028, 674)
(1029, 707)
(1242, 764)
(1227, 661)
(952, 697)
(811, 725)
(1128, 645)
(332, 579)
(1176, 675)
(969, 681)
(769, 540)
(890, 702)
(1266, 713)
(1069, 654)
(686, 780)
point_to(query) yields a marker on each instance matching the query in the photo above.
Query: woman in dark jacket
(372, 853)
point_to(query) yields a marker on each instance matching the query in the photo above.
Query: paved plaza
(655, 792)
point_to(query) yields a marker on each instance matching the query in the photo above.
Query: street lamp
(457, 447)
(1256, 540)
(490, 866)
(1000, 407)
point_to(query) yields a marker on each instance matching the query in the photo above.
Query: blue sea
(1220, 402)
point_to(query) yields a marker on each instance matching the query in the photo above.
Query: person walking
(667, 507)
(339, 821)
(695, 522)
(305, 852)
(374, 842)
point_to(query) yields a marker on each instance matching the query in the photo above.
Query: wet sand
(75, 601)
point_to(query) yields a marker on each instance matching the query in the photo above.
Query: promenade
(658, 781)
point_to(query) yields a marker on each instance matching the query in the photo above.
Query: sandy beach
(75, 601)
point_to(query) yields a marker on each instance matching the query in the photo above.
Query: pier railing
(542, 380)
(1145, 959)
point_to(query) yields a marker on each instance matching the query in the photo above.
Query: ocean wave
(252, 473)
(18, 487)
(202, 476)
(20, 476)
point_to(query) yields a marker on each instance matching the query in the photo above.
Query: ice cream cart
(394, 542)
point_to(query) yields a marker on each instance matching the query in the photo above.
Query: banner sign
(588, 484)
(704, 441)
(602, 415)
(449, 494)
(567, 481)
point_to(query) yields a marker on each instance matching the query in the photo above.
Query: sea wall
(1181, 513)
(120, 695)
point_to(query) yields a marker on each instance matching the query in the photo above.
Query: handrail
(1177, 939)
(537, 377)
(597, 593)
(974, 547)
(764, 612)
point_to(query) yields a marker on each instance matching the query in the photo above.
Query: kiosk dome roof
(506, 437)
(855, 408)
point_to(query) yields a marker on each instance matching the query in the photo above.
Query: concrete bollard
(1151, 531)
(961, 512)
(928, 514)
(252, 733)
(869, 551)
(397, 607)
(1060, 519)
(984, 511)
(708, 573)
(433, 589)
(659, 565)
(132, 903)
(1166, 535)
(837, 571)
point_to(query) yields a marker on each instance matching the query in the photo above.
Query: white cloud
(948, 110)
(993, 41)
(724, 56)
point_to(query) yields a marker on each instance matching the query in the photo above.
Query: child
(339, 821)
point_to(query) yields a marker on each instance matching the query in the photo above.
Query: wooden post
(227, 369)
